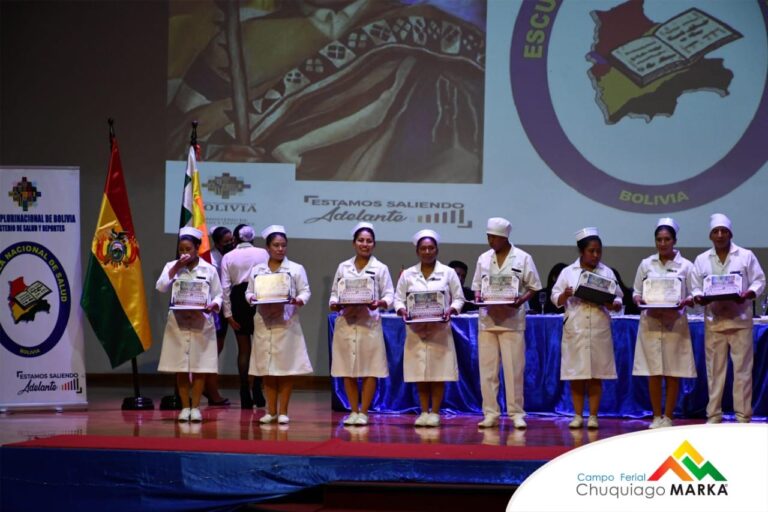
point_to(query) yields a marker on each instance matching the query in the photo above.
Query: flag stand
(136, 402)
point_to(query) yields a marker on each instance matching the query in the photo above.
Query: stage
(127, 460)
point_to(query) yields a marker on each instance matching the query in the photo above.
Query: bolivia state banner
(192, 207)
(113, 291)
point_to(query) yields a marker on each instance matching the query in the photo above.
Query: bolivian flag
(113, 291)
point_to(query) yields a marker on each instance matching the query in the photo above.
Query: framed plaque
(595, 288)
(273, 288)
(426, 306)
(498, 289)
(189, 294)
(662, 292)
(357, 290)
(725, 287)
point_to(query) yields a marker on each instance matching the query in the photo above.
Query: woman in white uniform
(189, 341)
(587, 344)
(430, 355)
(663, 348)
(358, 339)
(279, 350)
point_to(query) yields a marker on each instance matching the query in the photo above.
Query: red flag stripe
(115, 190)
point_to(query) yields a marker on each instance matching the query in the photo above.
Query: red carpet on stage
(330, 448)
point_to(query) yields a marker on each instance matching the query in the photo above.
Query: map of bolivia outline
(531, 94)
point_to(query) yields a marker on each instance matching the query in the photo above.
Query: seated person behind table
(534, 304)
(461, 269)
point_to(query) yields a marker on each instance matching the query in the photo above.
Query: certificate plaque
(662, 292)
(357, 290)
(189, 294)
(725, 287)
(499, 289)
(273, 288)
(426, 306)
(595, 288)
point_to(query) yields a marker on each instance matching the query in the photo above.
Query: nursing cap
(274, 228)
(498, 226)
(585, 232)
(424, 233)
(718, 220)
(668, 222)
(246, 234)
(363, 225)
(190, 231)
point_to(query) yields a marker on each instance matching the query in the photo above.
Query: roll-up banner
(42, 359)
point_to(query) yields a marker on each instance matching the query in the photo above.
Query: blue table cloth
(544, 392)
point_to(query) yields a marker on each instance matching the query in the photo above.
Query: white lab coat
(358, 339)
(278, 347)
(587, 344)
(430, 354)
(728, 325)
(663, 337)
(518, 263)
(189, 341)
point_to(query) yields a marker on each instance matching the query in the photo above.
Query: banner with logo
(42, 361)
(696, 468)
(441, 114)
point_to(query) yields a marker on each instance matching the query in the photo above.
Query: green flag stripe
(186, 215)
(108, 319)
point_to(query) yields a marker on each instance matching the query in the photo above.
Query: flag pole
(135, 402)
(173, 402)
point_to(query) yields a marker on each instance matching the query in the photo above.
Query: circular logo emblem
(28, 297)
(531, 62)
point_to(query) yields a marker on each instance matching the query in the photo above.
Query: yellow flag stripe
(126, 280)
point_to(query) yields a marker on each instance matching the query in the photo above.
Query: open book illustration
(675, 44)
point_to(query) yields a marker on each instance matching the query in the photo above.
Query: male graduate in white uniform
(502, 327)
(728, 323)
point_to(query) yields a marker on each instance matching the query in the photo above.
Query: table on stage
(545, 393)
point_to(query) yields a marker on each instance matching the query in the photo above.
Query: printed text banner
(42, 362)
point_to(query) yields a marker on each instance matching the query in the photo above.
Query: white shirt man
(728, 323)
(502, 327)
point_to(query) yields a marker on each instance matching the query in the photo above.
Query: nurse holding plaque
(586, 354)
(361, 288)
(728, 323)
(505, 279)
(430, 355)
(279, 351)
(189, 342)
(664, 352)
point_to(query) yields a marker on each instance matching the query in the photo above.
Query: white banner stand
(42, 360)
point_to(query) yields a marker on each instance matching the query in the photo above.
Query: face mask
(227, 247)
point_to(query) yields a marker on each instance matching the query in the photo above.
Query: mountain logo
(688, 464)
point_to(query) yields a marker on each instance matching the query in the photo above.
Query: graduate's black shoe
(246, 402)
